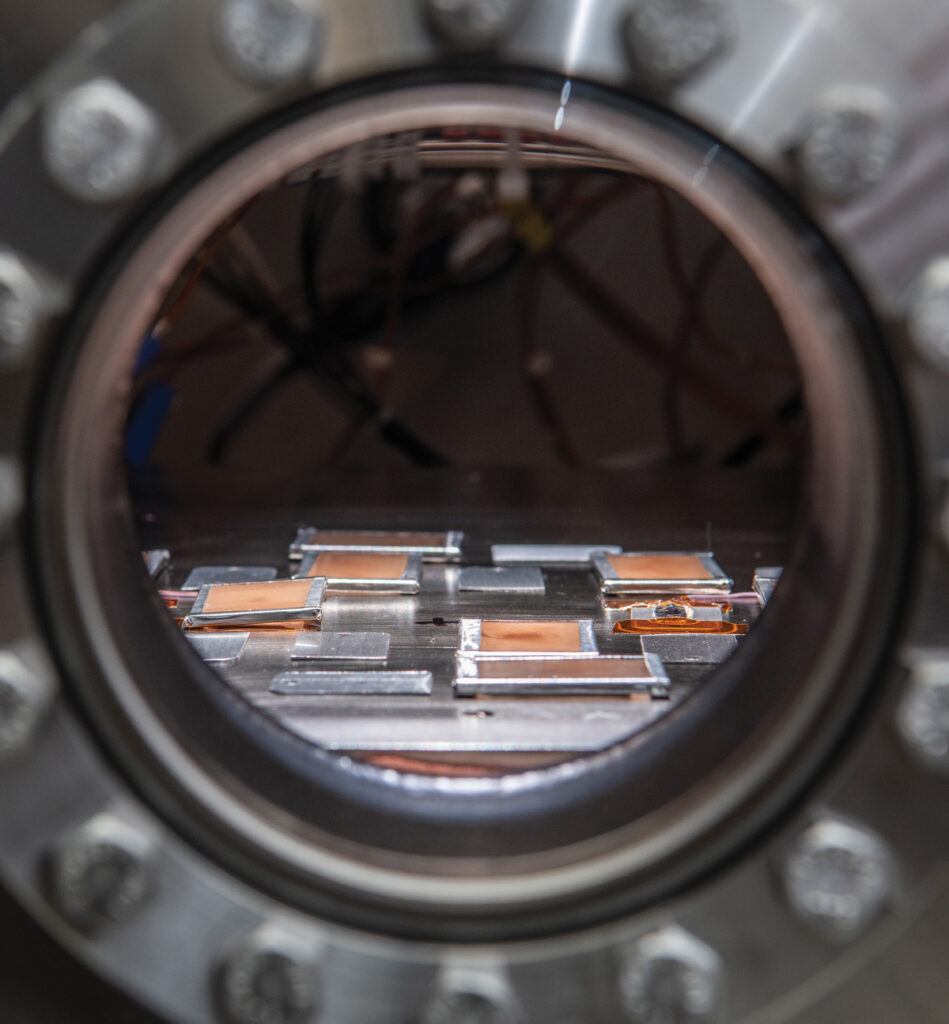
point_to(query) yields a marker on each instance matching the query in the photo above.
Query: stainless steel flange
(111, 122)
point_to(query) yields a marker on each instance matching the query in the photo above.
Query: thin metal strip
(362, 684)
(470, 680)
(450, 551)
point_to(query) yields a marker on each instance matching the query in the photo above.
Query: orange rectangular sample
(568, 668)
(344, 565)
(530, 636)
(645, 567)
(256, 597)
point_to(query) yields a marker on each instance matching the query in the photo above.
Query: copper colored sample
(645, 567)
(530, 636)
(679, 624)
(256, 597)
(567, 668)
(344, 565)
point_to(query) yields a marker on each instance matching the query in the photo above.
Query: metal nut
(20, 306)
(473, 24)
(671, 40)
(849, 143)
(670, 976)
(102, 873)
(475, 996)
(99, 142)
(923, 713)
(927, 318)
(24, 699)
(271, 977)
(269, 42)
(837, 877)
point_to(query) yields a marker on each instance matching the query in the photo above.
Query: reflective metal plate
(367, 683)
(341, 646)
(503, 581)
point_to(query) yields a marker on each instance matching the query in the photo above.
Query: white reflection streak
(579, 30)
(785, 55)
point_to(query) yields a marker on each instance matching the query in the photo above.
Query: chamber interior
(529, 415)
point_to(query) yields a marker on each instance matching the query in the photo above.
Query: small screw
(24, 699)
(100, 143)
(271, 977)
(473, 24)
(101, 873)
(837, 877)
(270, 42)
(927, 320)
(671, 40)
(670, 976)
(20, 306)
(475, 996)
(849, 142)
(923, 714)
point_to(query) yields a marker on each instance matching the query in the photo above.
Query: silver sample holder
(208, 574)
(572, 555)
(471, 637)
(406, 583)
(765, 580)
(601, 675)
(309, 609)
(613, 583)
(431, 545)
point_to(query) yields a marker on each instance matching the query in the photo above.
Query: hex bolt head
(473, 24)
(922, 716)
(100, 143)
(24, 699)
(671, 40)
(271, 977)
(102, 873)
(837, 877)
(21, 300)
(669, 977)
(927, 319)
(270, 42)
(470, 996)
(849, 143)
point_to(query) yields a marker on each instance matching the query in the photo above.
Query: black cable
(747, 448)
(328, 368)
(685, 330)
(312, 217)
(225, 435)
